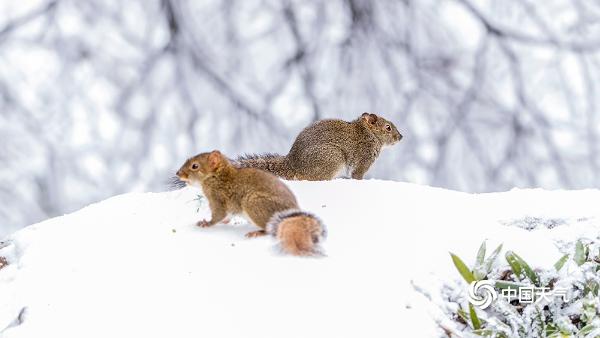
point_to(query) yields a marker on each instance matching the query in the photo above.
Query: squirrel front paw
(203, 223)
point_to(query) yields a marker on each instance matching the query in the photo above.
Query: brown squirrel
(328, 148)
(259, 196)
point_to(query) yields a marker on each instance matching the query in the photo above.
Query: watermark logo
(483, 293)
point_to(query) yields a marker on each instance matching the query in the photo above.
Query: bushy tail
(273, 163)
(299, 232)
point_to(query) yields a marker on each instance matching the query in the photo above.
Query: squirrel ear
(214, 159)
(370, 118)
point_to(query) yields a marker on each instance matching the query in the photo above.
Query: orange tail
(299, 232)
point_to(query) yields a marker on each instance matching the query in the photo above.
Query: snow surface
(136, 265)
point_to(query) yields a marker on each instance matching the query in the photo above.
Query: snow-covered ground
(136, 266)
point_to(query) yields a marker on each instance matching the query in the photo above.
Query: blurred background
(101, 97)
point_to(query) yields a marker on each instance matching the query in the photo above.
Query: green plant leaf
(502, 285)
(580, 256)
(587, 252)
(514, 264)
(594, 288)
(462, 269)
(561, 262)
(490, 260)
(474, 319)
(551, 329)
(559, 335)
(485, 333)
(480, 255)
(463, 314)
(531, 275)
(591, 287)
(479, 271)
(538, 320)
(585, 330)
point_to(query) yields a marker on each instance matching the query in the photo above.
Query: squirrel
(328, 148)
(258, 195)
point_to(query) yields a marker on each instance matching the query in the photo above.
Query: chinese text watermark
(483, 293)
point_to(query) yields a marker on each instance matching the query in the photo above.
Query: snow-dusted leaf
(502, 285)
(480, 255)
(464, 271)
(580, 256)
(490, 260)
(514, 264)
(551, 329)
(474, 318)
(486, 333)
(586, 330)
(463, 314)
(561, 262)
(528, 271)
(479, 271)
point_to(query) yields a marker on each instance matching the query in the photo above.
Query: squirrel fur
(258, 195)
(328, 148)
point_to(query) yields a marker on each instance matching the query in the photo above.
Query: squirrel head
(385, 130)
(198, 168)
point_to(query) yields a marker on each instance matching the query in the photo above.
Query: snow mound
(135, 265)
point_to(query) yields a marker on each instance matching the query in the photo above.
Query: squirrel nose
(178, 173)
(399, 136)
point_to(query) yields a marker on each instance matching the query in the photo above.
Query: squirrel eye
(195, 166)
(388, 127)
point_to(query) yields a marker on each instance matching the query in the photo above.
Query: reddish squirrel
(258, 195)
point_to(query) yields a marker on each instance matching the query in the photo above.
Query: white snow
(135, 265)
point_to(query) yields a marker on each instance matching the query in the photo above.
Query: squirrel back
(327, 148)
(299, 232)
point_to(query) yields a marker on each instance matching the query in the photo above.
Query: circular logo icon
(482, 293)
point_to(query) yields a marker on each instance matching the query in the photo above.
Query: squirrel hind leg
(257, 233)
(320, 163)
